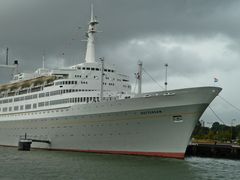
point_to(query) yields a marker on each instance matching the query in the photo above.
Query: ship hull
(156, 124)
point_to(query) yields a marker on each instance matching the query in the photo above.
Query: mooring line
(216, 115)
(153, 79)
(226, 101)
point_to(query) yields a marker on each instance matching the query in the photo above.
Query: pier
(226, 151)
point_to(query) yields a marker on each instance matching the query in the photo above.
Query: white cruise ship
(89, 107)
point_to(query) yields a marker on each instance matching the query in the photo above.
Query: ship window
(21, 107)
(47, 103)
(34, 106)
(16, 108)
(5, 101)
(41, 95)
(97, 69)
(28, 97)
(5, 109)
(83, 68)
(10, 100)
(40, 104)
(34, 96)
(10, 108)
(28, 106)
(88, 68)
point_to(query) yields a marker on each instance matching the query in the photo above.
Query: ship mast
(90, 52)
(139, 77)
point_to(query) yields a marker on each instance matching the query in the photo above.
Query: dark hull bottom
(153, 154)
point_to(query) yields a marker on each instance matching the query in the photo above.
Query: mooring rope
(226, 101)
(216, 115)
(153, 79)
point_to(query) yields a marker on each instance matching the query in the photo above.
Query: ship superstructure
(90, 107)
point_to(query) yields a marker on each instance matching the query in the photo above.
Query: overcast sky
(199, 39)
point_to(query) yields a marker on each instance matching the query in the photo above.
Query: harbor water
(42, 164)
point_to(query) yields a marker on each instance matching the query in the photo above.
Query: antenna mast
(102, 74)
(43, 61)
(166, 83)
(139, 77)
(90, 52)
(7, 56)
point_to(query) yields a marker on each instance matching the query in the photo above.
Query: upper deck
(79, 84)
